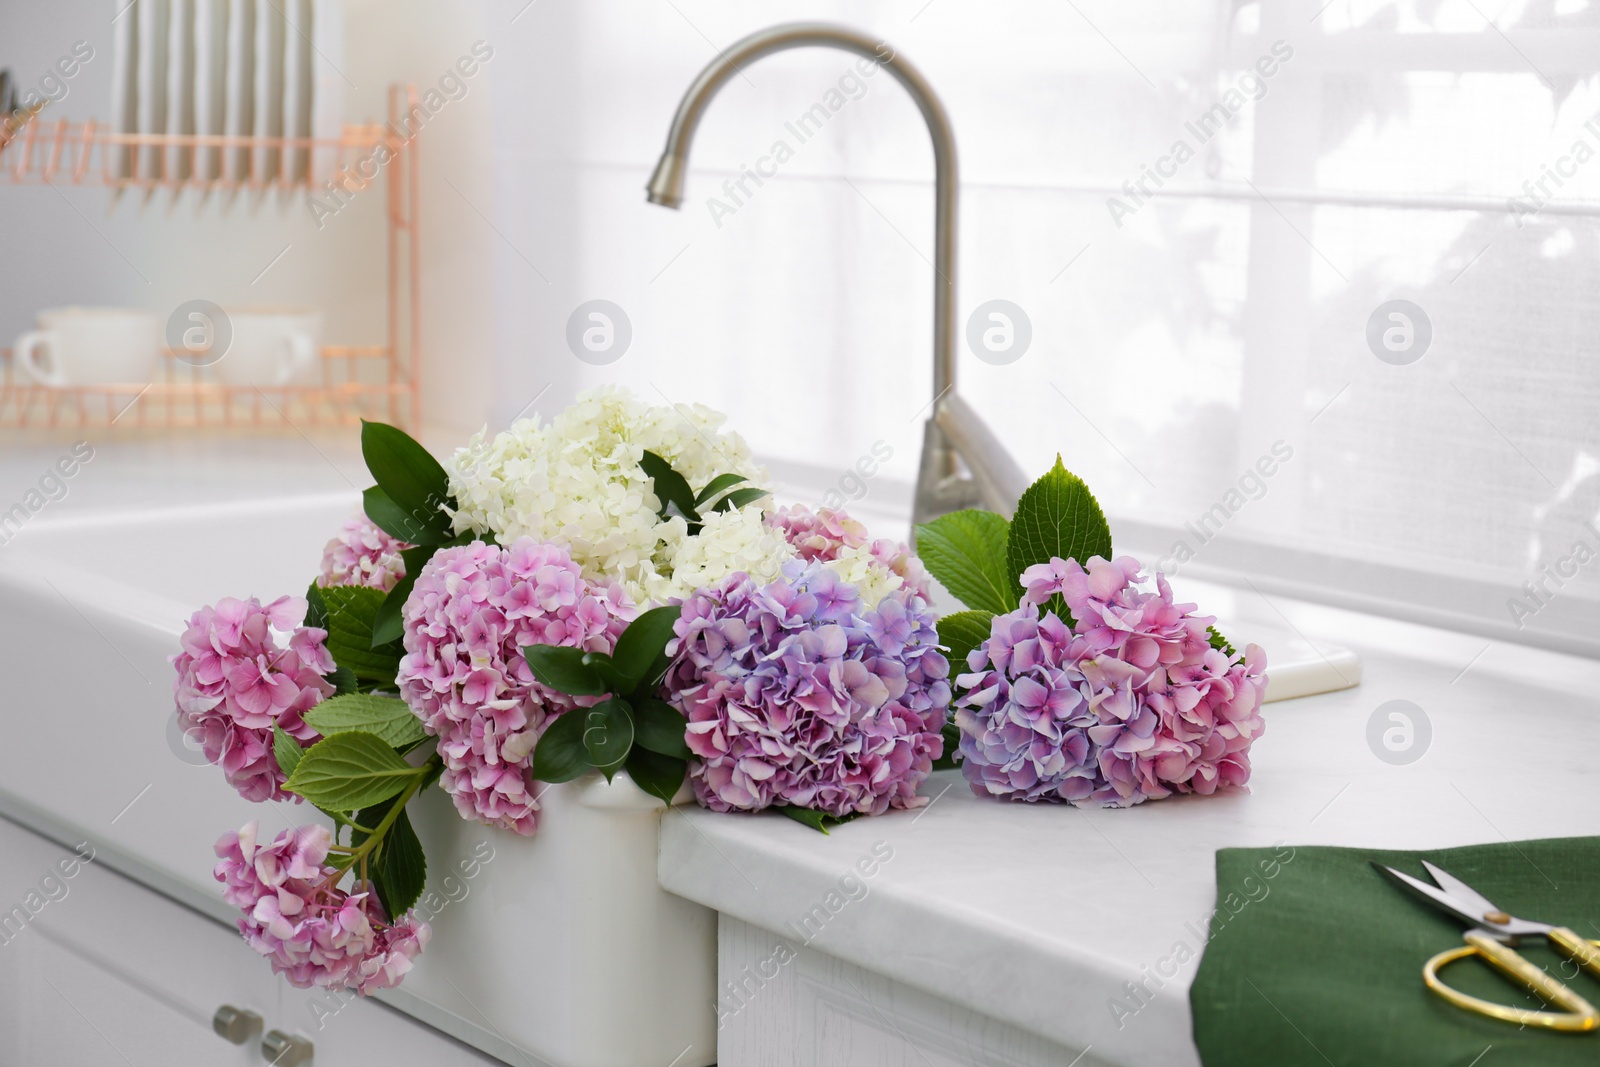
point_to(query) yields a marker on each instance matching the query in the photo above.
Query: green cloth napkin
(1320, 962)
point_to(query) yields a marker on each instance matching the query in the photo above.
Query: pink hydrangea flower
(235, 681)
(821, 534)
(362, 554)
(473, 610)
(818, 534)
(1131, 703)
(797, 695)
(313, 933)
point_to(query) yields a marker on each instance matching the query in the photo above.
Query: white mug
(272, 346)
(90, 346)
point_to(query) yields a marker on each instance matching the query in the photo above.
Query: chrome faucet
(962, 465)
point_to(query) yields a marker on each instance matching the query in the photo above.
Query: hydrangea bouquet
(611, 591)
(614, 592)
(1085, 681)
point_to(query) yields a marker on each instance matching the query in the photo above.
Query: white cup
(90, 346)
(272, 346)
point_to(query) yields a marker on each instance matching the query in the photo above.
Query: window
(1215, 346)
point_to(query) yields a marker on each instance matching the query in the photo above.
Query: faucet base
(943, 485)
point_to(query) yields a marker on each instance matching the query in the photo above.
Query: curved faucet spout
(940, 485)
(666, 184)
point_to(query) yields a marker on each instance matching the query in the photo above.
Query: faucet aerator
(666, 182)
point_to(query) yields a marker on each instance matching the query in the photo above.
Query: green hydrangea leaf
(348, 771)
(817, 820)
(1057, 517)
(352, 610)
(316, 608)
(389, 625)
(966, 552)
(285, 750)
(398, 868)
(1219, 642)
(343, 680)
(961, 632)
(950, 758)
(387, 718)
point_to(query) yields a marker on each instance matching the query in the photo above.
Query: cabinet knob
(236, 1025)
(285, 1050)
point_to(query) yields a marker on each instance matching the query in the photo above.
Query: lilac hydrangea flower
(797, 695)
(1130, 703)
(235, 682)
(313, 933)
(363, 554)
(472, 611)
(1024, 723)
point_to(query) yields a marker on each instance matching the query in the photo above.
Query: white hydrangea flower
(733, 540)
(870, 575)
(578, 482)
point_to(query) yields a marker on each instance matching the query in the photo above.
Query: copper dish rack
(357, 381)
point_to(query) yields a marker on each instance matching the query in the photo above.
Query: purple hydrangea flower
(797, 695)
(1131, 703)
(1024, 723)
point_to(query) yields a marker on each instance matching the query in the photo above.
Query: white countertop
(1038, 914)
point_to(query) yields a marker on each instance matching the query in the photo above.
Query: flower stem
(375, 838)
(358, 854)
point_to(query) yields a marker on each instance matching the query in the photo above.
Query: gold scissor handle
(1576, 948)
(1579, 1015)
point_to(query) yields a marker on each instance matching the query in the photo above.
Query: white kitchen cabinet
(102, 972)
(786, 1005)
(63, 1009)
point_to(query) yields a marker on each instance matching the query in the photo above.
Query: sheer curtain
(1207, 213)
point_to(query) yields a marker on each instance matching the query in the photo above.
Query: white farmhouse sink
(567, 953)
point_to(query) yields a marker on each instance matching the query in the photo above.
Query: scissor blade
(1465, 894)
(1460, 890)
(1435, 896)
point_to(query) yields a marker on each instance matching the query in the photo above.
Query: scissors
(1493, 936)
